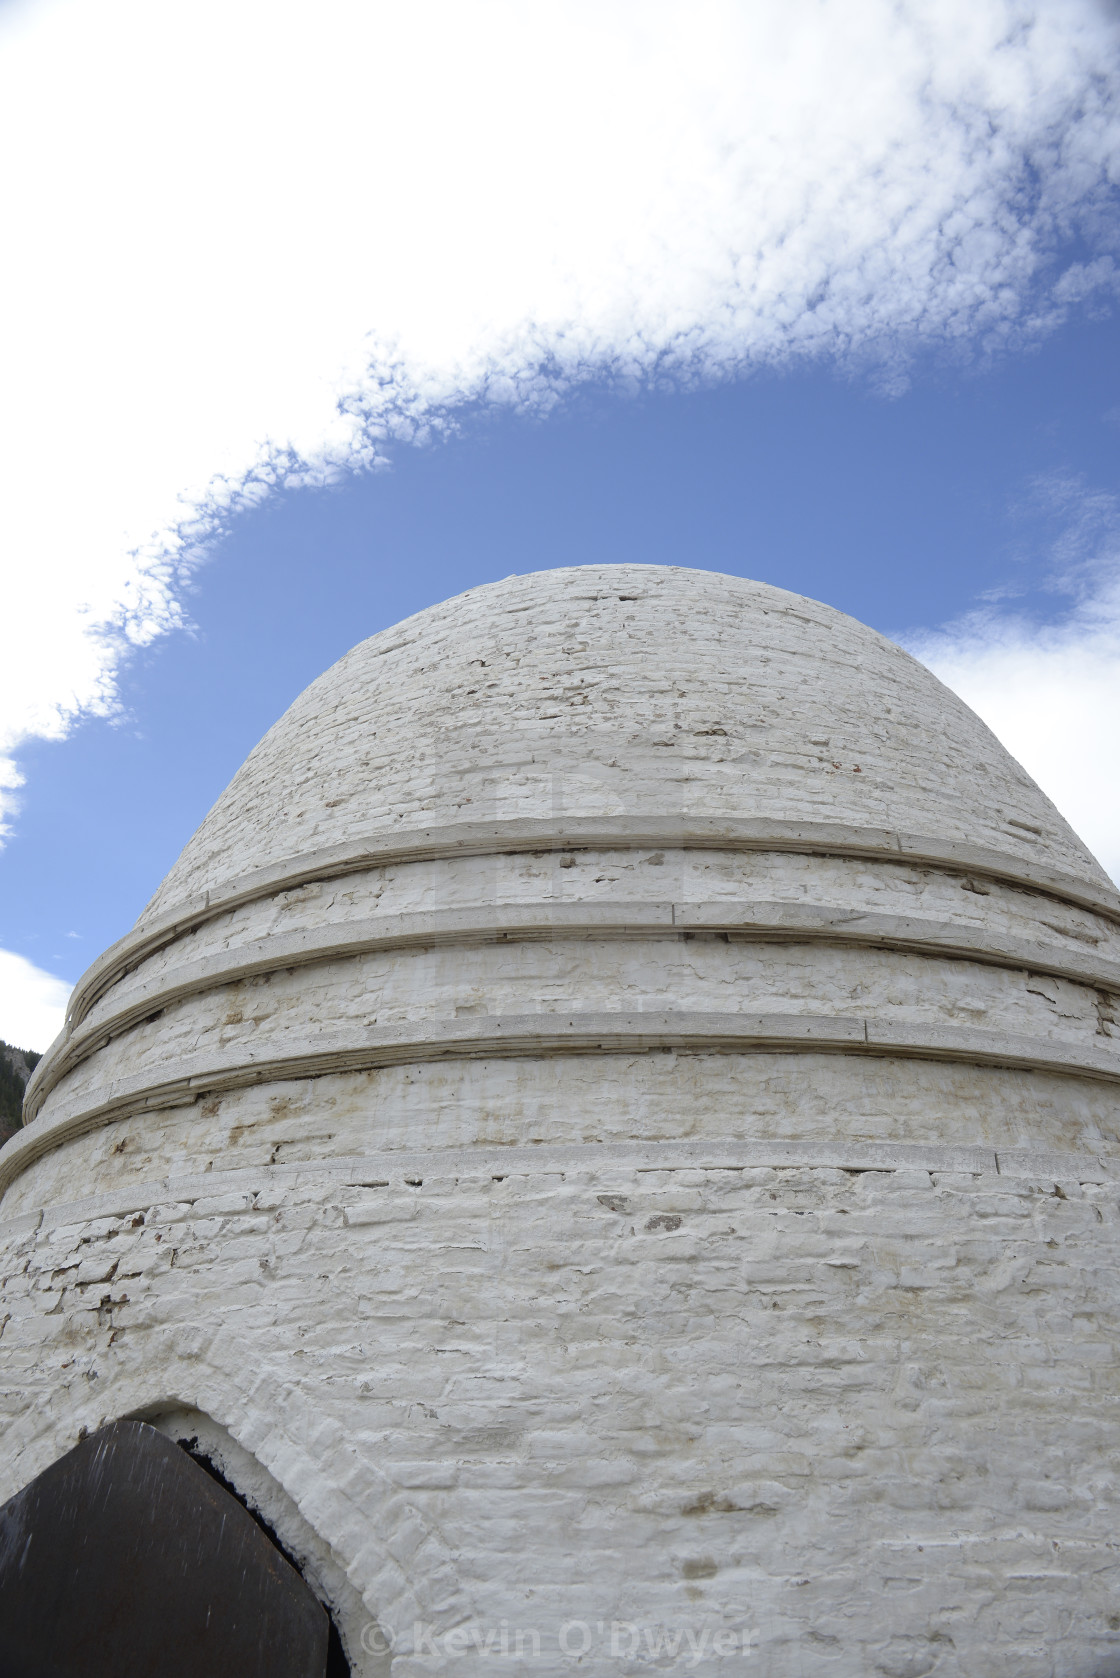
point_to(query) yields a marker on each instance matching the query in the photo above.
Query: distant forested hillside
(16, 1066)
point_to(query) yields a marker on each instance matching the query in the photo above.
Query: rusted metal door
(125, 1559)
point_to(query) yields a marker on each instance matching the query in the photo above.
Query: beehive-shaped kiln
(609, 1132)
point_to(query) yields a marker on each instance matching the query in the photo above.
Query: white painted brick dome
(623, 690)
(613, 1120)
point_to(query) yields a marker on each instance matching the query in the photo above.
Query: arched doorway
(129, 1558)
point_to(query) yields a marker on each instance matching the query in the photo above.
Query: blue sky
(825, 299)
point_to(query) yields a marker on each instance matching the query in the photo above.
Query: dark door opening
(128, 1559)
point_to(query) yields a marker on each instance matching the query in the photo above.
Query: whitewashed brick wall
(811, 1346)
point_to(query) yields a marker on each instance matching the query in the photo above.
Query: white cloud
(1051, 691)
(250, 240)
(32, 1003)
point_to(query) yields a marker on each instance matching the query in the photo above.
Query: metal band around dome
(756, 922)
(537, 1035)
(593, 833)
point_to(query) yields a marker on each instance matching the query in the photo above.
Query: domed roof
(594, 818)
(623, 691)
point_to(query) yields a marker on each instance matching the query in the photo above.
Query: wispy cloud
(252, 243)
(1049, 686)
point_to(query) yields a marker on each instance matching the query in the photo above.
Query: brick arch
(377, 1562)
